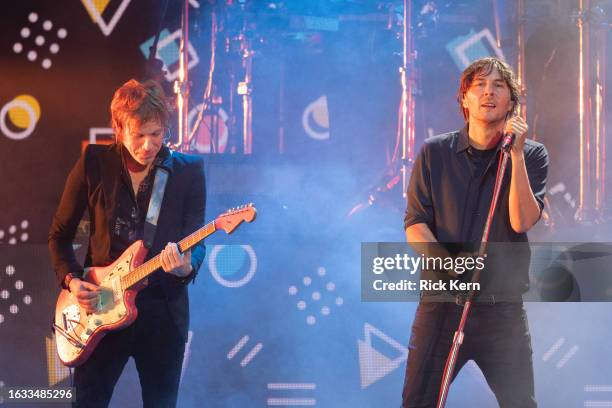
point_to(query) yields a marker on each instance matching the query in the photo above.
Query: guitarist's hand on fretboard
(87, 294)
(119, 283)
(174, 262)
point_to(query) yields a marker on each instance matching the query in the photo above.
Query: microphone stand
(449, 368)
(406, 129)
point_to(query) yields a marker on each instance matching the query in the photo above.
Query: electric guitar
(77, 332)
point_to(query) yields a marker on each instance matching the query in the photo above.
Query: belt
(483, 299)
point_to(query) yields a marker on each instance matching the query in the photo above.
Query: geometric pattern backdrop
(276, 312)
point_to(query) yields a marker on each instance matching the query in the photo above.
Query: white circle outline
(306, 124)
(17, 135)
(227, 283)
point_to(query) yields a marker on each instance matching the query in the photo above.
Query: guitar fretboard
(147, 268)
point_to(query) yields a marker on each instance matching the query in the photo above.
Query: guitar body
(78, 332)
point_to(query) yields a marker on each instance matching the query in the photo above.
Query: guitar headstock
(230, 220)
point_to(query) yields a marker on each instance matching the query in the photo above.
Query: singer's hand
(518, 127)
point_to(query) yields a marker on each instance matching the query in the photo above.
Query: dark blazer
(93, 184)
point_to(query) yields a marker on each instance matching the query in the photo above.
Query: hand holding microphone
(515, 132)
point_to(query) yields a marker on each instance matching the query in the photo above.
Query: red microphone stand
(449, 368)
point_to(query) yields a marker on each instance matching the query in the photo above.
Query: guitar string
(154, 263)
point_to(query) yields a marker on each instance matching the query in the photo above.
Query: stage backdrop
(276, 312)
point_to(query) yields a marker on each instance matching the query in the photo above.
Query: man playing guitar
(115, 183)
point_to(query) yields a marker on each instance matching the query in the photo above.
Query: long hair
(483, 67)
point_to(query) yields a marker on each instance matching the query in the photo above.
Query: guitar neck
(147, 268)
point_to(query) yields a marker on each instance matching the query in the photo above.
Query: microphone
(508, 141)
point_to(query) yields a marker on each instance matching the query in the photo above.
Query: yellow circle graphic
(20, 116)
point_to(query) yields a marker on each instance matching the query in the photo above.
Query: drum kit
(242, 30)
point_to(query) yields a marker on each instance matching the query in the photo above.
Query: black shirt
(447, 193)
(131, 211)
(451, 187)
(481, 159)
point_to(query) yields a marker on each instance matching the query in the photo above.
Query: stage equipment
(245, 90)
(208, 101)
(601, 43)
(235, 25)
(520, 57)
(181, 85)
(449, 368)
(406, 129)
(592, 136)
(584, 213)
(398, 172)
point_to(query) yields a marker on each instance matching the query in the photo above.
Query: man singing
(450, 192)
(114, 184)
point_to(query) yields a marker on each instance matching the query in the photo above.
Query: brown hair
(143, 102)
(483, 67)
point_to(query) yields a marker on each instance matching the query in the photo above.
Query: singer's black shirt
(451, 188)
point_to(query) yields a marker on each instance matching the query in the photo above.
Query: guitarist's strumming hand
(87, 294)
(174, 262)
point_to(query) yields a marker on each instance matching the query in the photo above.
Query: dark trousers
(496, 338)
(157, 348)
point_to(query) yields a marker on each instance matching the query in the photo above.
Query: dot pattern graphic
(17, 232)
(322, 297)
(13, 294)
(39, 33)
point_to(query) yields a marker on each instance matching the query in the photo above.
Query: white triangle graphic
(107, 28)
(373, 365)
(370, 330)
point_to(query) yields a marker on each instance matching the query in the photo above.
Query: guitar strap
(157, 195)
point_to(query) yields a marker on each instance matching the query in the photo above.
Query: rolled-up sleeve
(537, 172)
(419, 207)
